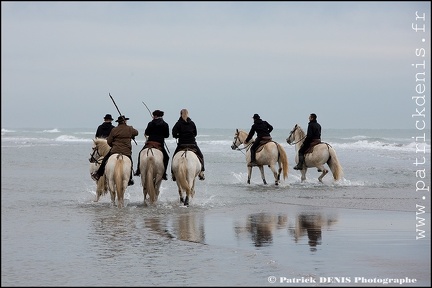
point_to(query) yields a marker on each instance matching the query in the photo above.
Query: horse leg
(181, 196)
(186, 201)
(303, 174)
(275, 174)
(249, 174)
(261, 168)
(324, 172)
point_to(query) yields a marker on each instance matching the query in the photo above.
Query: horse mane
(301, 131)
(103, 145)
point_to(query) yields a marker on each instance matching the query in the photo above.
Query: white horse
(117, 173)
(152, 169)
(186, 166)
(100, 149)
(321, 154)
(267, 154)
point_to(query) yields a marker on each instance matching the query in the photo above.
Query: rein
(294, 143)
(247, 146)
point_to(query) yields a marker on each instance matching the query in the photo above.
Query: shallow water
(233, 234)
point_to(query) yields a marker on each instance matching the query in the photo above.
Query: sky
(351, 63)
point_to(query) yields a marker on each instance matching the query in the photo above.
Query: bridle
(293, 143)
(93, 158)
(237, 146)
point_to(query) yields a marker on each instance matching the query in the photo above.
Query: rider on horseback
(186, 131)
(157, 130)
(313, 134)
(120, 141)
(105, 128)
(263, 129)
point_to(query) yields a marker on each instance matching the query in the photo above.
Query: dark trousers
(254, 148)
(197, 151)
(303, 149)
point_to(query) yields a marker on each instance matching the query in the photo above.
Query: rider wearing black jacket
(185, 131)
(313, 133)
(263, 129)
(157, 130)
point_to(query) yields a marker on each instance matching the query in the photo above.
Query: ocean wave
(379, 145)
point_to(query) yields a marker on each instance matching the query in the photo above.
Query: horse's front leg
(249, 175)
(261, 168)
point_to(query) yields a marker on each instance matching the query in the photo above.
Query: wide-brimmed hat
(121, 118)
(158, 113)
(256, 116)
(108, 117)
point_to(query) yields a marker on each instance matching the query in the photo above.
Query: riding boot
(253, 161)
(201, 174)
(131, 181)
(137, 172)
(300, 164)
(165, 177)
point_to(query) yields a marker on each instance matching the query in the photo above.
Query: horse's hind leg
(181, 196)
(324, 172)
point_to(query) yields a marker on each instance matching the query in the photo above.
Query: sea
(371, 228)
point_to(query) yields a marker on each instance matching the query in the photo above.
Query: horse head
(295, 135)
(237, 142)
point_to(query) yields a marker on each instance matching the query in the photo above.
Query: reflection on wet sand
(261, 227)
(310, 224)
(188, 226)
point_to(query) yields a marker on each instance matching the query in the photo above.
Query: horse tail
(149, 179)
(182, 177)
(334, 165)
(118, 176)
(283, 159)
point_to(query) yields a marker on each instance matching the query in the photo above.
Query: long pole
(152, 117)
(118, 110)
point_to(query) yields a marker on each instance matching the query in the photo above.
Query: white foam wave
(55, 130)
(69, 138)
(379, 145)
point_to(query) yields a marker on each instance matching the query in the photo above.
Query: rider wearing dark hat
(120, 141)
(313, 133)
(105, 128)
(263, 129)
(157, 130)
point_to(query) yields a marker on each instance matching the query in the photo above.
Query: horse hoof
(181, 200)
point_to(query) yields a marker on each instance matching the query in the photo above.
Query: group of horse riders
(263, 129)
(119, 139)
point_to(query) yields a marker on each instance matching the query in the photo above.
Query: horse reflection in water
(188, 226)
(310, 224)
(261, 227)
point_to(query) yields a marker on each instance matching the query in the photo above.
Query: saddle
(312, 145)
(153, 144)
(189, 147)
(264, 140)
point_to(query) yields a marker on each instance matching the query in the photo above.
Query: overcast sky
(348, 62)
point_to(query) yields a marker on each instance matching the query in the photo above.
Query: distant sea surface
(374, 223)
